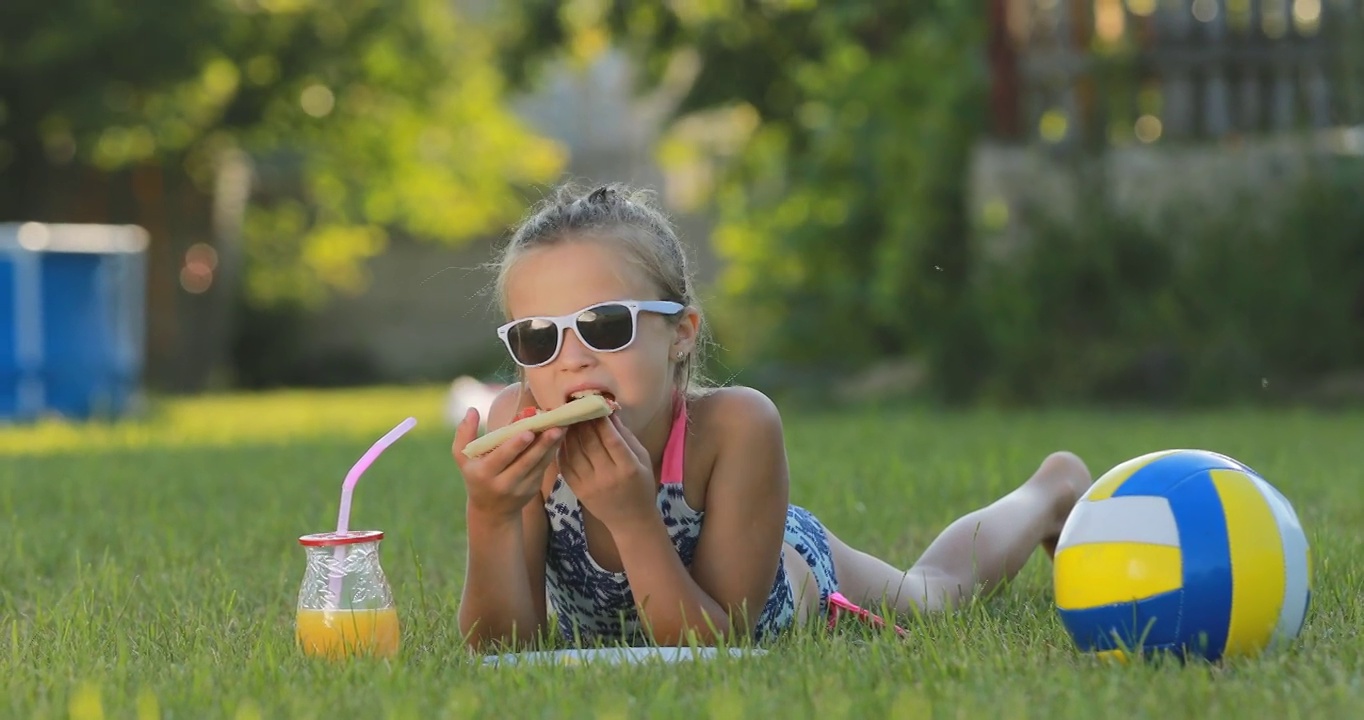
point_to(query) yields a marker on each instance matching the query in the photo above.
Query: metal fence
(1094, 73)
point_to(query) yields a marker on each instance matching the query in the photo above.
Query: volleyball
(1189, 552)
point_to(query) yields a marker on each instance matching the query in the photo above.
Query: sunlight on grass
(225, 420)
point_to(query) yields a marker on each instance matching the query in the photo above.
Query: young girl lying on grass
(670, 518)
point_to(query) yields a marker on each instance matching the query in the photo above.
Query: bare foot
(1064, 477)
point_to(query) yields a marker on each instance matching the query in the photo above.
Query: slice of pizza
(588, 406)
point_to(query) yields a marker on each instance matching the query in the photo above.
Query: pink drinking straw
(353, 477)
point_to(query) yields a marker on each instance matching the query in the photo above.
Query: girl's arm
(740, 546)
(503, 601)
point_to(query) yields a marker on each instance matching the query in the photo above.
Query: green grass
(149, 570)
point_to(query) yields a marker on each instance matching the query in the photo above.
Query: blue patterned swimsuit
(595, 605)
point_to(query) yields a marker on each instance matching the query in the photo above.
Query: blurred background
(1006, 202)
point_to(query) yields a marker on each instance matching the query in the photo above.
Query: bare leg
(979, 551)
(802, 580)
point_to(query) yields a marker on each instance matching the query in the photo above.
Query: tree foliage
(838, 139)
(841, 220)
(363, 117)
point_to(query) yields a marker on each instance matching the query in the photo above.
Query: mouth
(579, 394)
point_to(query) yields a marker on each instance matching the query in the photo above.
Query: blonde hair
(627, 217)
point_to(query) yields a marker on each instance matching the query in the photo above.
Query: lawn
(150, 569)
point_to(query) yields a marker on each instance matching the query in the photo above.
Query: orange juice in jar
(345, 605)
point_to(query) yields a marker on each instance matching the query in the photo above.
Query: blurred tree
(359, 117)
(841, 215)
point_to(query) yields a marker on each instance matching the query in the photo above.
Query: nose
(574, 354)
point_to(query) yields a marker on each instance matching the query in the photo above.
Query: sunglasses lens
(533, 341)
(607, 327)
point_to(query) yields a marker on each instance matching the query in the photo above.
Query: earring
(681, 354)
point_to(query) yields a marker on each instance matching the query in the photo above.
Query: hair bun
(602, 195)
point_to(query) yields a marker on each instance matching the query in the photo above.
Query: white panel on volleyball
(1130, 518)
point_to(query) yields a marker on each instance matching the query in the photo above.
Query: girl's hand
(501, 482)
(608, 470)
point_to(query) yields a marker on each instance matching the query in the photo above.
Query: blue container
(72, 320)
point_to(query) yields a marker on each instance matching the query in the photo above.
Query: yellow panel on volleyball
(1257, 562)
(1108, 573)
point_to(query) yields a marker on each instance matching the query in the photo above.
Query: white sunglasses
(604, 327)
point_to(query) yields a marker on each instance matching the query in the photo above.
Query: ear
(686, 330)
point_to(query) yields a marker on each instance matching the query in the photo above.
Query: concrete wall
(1147, 180)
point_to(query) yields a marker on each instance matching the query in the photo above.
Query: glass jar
(345, 606)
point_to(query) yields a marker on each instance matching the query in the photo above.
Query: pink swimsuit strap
(673, 451)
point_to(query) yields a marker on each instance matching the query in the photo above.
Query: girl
(669, 520)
